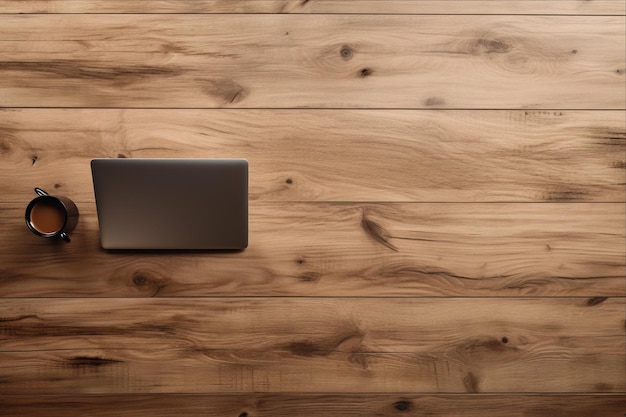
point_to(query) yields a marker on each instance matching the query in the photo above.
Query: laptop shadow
(172, 251)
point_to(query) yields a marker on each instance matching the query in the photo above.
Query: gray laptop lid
(171, 203)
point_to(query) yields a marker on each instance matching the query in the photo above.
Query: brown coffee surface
(47, 216)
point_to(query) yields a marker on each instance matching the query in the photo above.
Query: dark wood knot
(90, 361)
(310, 276)
(365, 72)
(493, 46)
(435, 101)
(5, 146)
(402, 406)
(139, 280)
(346, 52)
(594, 301)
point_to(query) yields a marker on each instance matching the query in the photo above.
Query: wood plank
(70, 346)
(314, 405)
(333, 155)
(576, 7)
(301, 249)
(327, 61)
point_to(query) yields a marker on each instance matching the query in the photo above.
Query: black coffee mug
(51, 216)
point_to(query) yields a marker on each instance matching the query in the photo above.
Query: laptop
(171, 203)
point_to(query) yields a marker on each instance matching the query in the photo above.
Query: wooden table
(437, 208)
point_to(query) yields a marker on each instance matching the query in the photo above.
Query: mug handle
(40, 192)
(65, 237)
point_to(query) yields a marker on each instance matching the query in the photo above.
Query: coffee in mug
(47, 216)
(51, 216)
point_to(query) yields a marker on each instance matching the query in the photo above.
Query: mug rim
(36, 201)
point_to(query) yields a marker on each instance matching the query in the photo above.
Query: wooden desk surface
(437, 208)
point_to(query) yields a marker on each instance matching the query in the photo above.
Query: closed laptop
(171, 203)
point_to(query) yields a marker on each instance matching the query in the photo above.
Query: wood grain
(333, 155)
(437, 216)
(576, 7)
(346, 249)
(315, 405)
(320, 61)
(337, 345)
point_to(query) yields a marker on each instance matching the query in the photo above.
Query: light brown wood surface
(315, 405)
(334, 155)
(437, 208)
(344, 249)
(327, 61)
(312, 345)
(575, 7)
